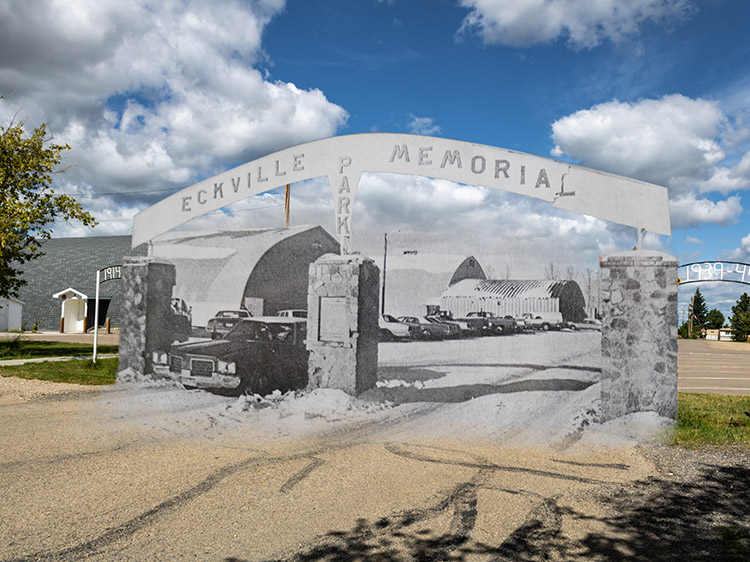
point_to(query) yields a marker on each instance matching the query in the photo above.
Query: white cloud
(687, 211)
(667, 141)
(152, 94)
(585, 24)
(423, 126)
(672, 141)
(693, 240)
(743, 252)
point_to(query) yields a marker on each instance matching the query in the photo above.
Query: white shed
(10, 314)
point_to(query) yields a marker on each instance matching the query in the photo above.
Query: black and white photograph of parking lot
(489, 319)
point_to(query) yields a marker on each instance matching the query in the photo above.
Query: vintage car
(223, 321)
(292, 313)
(544, 321)
(461, 328)
(392, 329)
(585, 324)
(257, 356)
(492, 324)
(422, 328)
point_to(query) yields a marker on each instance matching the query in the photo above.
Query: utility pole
(690, 318)
(385, 260)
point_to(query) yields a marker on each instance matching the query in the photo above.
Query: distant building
(262, 270)
(61, 284)
(505, 297)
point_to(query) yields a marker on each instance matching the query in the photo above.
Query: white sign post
(111, 272)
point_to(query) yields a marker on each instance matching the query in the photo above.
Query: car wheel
(426, 335)
(573, 327)
(545, 327)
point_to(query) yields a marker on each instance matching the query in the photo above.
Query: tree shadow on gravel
(657, 519)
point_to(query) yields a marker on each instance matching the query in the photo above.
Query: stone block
(343, 351)
(639, 334)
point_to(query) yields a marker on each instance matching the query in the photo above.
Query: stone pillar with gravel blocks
(146, 325)
(342, 336)
(639, 334)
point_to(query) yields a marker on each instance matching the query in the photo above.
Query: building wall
(461, 305)
(72, 262)
(280, 277)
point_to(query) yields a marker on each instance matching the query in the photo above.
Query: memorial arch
(343, 159)
(639, 289)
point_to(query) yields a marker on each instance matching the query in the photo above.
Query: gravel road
(154, 472)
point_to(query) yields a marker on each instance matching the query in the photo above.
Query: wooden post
(286, 207)
(109, 326)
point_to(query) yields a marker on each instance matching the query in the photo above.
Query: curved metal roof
(509, 288)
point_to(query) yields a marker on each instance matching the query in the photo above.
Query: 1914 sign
(701, 272)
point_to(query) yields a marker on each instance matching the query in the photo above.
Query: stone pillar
(147, 319)
(639, 334)
(342, 323)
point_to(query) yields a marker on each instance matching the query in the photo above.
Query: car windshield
(231, 314)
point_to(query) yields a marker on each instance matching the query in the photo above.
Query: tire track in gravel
(461, 498)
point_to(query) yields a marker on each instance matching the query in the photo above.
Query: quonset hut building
(262, 270)
(507, 297)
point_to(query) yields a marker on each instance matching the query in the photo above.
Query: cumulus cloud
(672, 141)
(743, 252)
(152, 94)
(583, 23)
(690, 211)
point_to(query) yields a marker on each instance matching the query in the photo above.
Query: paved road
(713, 367)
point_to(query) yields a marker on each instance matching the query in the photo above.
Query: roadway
(713, 367)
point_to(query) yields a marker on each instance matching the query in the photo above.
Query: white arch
(343, 159)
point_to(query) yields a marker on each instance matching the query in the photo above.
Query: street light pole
(385, 260)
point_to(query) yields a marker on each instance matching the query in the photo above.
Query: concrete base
(639, 334)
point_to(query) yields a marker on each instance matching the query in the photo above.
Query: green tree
(740, 319)
(28, 204)
(700, 311)
(714, 319)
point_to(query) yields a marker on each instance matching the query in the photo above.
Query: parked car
(258, 355)
(585, 324)
(223, 321)
(293, 313)
(544, 320)
(391, 329)
(445, 317)
(423, 328)
(494, 324)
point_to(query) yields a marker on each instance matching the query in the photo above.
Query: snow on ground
(560, 418)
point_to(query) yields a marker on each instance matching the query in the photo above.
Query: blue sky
(153, 96)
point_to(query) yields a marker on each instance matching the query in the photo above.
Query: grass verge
(712, 419)
(19, 348)
(76, 371)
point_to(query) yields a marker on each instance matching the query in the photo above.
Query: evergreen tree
(740, 320)
(700, 311)
(714, 319)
